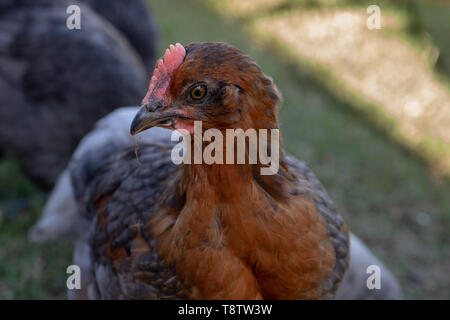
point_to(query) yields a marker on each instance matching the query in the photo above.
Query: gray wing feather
(60, 218)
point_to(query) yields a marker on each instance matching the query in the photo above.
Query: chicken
(133, 19)
(61, 222)
(354, 285)
(203, 231)
(55, 83)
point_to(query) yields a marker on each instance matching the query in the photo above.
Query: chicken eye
(198, 92)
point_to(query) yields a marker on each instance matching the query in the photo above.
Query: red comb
(165, 69)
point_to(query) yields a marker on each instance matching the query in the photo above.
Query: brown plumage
(220, 231)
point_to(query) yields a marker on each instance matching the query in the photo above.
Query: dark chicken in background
(157, 230)
(55, 83)
(133, 20)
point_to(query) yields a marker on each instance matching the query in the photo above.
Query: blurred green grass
(385, 193)
(27, 271)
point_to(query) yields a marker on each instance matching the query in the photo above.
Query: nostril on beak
(153, 105)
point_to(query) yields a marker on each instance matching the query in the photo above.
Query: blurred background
(368, 110)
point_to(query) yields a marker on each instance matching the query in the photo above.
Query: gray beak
(151, 115)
